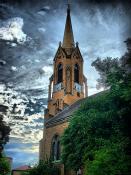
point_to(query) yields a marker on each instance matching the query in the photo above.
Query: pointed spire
(68, 40)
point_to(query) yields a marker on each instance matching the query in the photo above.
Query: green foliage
(99, 134)
(110, 160)
(43, 168)
(4, 130)
(90, 128)
(4, 166)
(4, 138)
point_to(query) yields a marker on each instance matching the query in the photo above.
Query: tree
(118, 78)
(4, 131)
(90, 128)
(99, 134)
(4, 138)
(47, 168)
(104, 68)
(4, 166)
(110, 160)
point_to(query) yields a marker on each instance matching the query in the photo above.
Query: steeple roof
(68, 40)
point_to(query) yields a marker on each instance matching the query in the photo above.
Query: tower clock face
(58, 87)
(78, 87)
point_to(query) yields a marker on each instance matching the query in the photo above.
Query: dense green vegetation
(4, 166)
(98, 138)
(4, 138)
(4, 131)
(43, 168)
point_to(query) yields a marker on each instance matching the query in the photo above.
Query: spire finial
(68, 5)
(68, 40)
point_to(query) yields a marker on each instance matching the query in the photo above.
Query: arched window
(76, 73)
(60, 73)
(58, 150)
(55, 152)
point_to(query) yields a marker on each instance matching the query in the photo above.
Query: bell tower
(67, 84)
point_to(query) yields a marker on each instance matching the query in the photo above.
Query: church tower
(67, 84)
(67, 90)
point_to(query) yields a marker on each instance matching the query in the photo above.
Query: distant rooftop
(24, 167)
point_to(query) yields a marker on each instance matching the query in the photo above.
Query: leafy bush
(43, 168)
(109, 160)
(4, 166)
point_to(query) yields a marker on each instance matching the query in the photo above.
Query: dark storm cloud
(26, 65)
(100, 28)
(24, 54)
(30, 32)
(41, 19)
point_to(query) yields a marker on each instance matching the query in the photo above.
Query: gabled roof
(77, 52)
(24, 167)
(60, 52)
(66, 114)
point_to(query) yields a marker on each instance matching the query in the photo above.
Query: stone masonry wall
(48, 135)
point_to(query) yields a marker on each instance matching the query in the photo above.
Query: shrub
(43, 168)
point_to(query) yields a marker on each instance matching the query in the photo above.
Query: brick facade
(48, 135)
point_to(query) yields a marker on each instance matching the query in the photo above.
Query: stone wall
(48, 135)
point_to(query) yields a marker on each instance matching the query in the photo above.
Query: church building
(67, 89)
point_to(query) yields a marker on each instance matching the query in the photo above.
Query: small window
(55, 152)
(58, 151)
(60, 73)
(76, 73)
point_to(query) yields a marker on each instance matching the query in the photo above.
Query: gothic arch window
(58, 150)
(55, 150)
(60, 73)
(68, 79)
(76, 73)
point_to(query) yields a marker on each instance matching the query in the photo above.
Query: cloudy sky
(29, 35)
